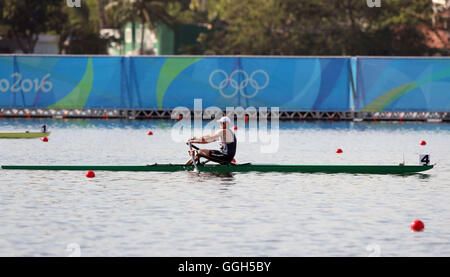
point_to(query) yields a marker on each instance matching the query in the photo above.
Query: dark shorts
(219, 157)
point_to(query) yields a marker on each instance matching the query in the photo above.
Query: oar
(193, 157)
(195, 147)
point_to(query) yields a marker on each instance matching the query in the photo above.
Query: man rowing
(227, 140)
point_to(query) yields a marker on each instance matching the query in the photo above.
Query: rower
(44, 128)
(227, 140)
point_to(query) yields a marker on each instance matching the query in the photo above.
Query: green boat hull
(23, 135)
(353, 169)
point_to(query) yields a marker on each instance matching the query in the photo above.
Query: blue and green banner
(403, 84)
(287, 83)
(164, 83)
(60, 83)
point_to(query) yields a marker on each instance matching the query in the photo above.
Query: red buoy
(90, 174)
(339, 151)
(44, 139)
(235, 128)
(417, 226)
(422, 142)
(150, 133)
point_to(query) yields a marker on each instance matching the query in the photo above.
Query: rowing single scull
(23, 135)
(352, 169)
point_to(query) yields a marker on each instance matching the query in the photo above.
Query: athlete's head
(224, 122)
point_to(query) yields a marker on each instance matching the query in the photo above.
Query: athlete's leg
(214, 156)
(196, 157)
(200, 153)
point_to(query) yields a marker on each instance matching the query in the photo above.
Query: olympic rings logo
(236, 85)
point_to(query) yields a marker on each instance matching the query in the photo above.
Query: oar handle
(193, 146)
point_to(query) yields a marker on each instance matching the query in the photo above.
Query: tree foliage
(80, 33)
(147, 12)
(251, 27)
(24, 20)
(317, 27)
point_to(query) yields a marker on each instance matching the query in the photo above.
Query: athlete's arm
(206, 138)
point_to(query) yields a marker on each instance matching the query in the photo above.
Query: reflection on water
(223, 214)
(226, 179)
(224, 176)
(423, 176)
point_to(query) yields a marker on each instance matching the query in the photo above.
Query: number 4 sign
(424, 159)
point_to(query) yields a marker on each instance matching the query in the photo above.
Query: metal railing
(176, 115)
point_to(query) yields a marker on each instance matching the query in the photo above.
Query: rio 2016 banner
(403, 84)
(164, 83)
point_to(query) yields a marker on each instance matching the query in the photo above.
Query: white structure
(46, 44)
(131, 42)
(440, 8)
(444, 3)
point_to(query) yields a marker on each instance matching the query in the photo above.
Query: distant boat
(26, 134)
(23, 135)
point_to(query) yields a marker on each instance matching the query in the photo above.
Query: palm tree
(77, 21)
(101, 4)
(147, 12)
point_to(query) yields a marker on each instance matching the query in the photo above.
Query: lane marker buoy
(90, 174)
(339, 151)
(417, 226)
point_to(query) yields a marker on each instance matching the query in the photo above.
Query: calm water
(242, 214)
